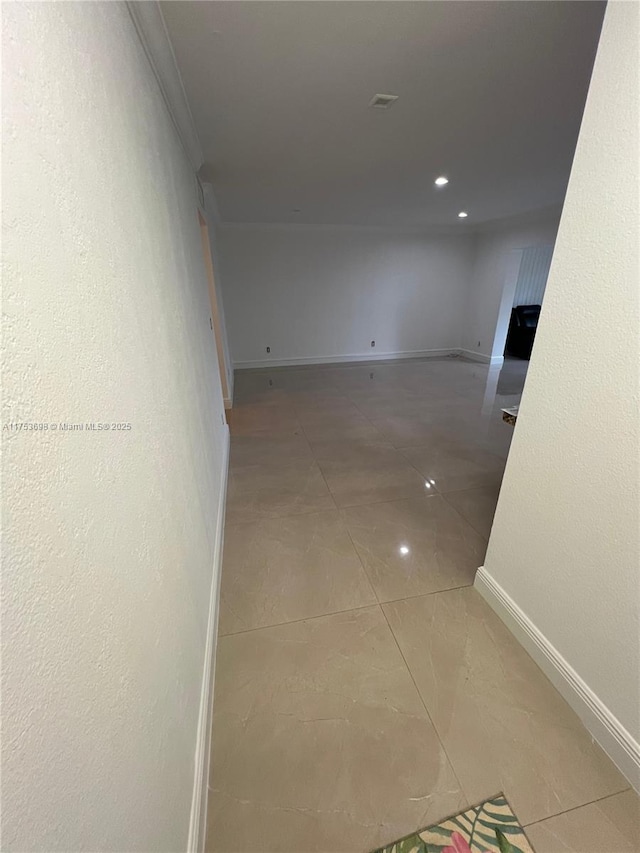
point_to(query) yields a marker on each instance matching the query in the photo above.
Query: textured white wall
(313, 292)
(486, 309)
(565, 539)
(108, 537)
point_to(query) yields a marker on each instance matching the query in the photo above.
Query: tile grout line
(293, 514)
(434, 493)
(315, 459)
(376, 603)
(575, 808)
(369, 421)
(424, 705)
(297, 621)
(364, 568)
(348, 532)
(427, 594)
(457, 511)
(386, 441)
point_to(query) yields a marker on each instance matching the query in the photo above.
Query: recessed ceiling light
(463, 214)
(441, 181)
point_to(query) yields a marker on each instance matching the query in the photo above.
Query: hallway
(363, 687)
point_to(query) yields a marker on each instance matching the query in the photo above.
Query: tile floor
(363, 688)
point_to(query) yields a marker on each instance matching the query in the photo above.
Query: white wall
(565, 540)
(322, 293)
(109, 537)
(489, 304)
(319, 292)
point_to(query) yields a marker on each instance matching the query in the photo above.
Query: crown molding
(150, 26)
(426, 230)
(532, 217)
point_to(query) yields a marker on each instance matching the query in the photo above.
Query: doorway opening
(526, 272)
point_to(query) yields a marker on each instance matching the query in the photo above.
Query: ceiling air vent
(382, 102)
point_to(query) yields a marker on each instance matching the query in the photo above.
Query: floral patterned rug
(490, 827)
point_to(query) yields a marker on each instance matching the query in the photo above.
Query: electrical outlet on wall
(478, 343)
(373, 343)
(268, 349)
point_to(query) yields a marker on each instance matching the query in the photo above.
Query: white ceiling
(491, 94)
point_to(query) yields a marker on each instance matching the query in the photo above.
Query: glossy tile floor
(363, 688)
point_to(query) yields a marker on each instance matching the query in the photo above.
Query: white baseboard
(493, 360)
(605, 728)
(198, 819)
(344, 359)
